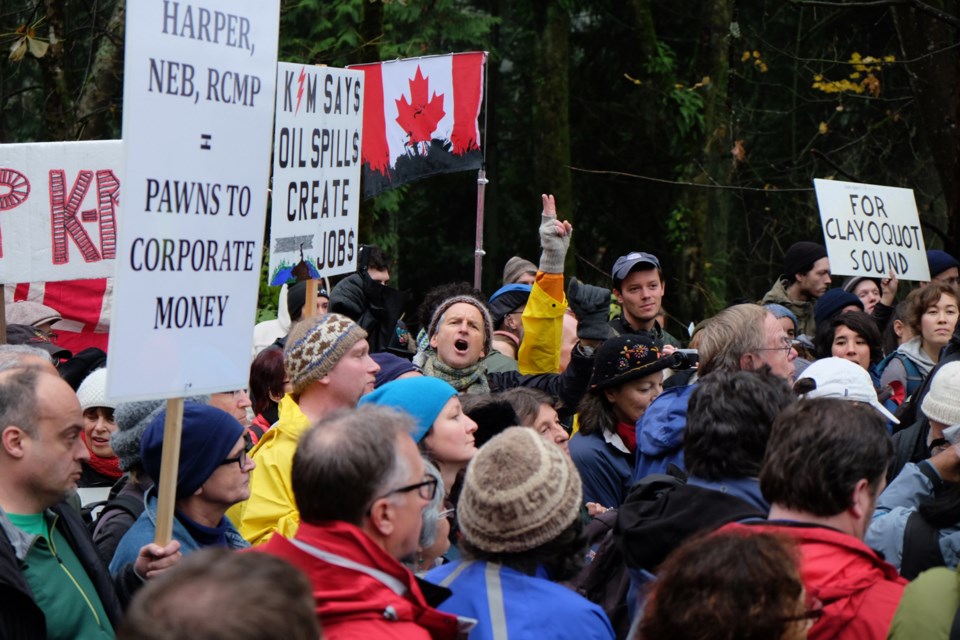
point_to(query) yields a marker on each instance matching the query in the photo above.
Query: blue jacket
(895, 505)
(144, 530)
(660, 432)
(529, 606)
(605, 470)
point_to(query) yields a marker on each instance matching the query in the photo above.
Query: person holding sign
(213, 475)
(54, 585)
(806, 277)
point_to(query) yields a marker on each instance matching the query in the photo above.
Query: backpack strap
(921, 547)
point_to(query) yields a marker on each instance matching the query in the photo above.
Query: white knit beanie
(520, 492)
(93, 391)
(942, 402)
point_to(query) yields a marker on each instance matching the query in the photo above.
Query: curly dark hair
(731, 585)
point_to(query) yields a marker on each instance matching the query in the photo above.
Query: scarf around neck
(470, 380)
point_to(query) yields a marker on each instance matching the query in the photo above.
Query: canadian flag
(84, 305)
(420, 118)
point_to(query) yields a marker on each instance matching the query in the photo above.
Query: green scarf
(469, 380)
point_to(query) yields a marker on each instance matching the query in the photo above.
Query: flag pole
(482, 181)
(478, 252)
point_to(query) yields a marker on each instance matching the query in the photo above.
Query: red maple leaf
(419, 117)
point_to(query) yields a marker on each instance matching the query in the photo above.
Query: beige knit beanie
(942, 402)
(315, 345)
(520, 492)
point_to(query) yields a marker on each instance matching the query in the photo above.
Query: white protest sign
(59, 205)
(871, 230)
(198, 93)
(316, 170)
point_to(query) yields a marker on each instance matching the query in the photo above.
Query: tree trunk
(934, 79)
(551, 114)
(96, 117)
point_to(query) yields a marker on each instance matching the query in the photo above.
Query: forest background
(692, 130)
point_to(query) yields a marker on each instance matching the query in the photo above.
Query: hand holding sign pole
(199, 80)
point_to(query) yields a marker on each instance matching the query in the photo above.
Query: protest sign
(871, 230)
(316, 170)
(198, 91)
(59, 206)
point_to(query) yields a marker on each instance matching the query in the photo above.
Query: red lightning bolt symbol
(303, 74)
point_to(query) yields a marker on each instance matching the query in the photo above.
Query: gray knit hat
(315, 345)
(132, 419)
(516, 267)
(449, 302)
(942, 402)
(520, 492)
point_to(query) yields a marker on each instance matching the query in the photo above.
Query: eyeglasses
(427, 488)
(786, 345)
(241, 459)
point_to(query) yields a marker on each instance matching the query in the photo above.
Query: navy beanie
(830, 304)
(423, 398)
(392, 367)
(208, 436)
(940, 261)
(506, 299)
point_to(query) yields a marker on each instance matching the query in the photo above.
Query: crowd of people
(548, 462)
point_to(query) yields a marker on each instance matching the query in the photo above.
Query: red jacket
(352, 603)
(859, 591)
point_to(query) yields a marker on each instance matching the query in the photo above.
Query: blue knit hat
(780, 311)
(423, 398)
(831, 302)
(940, 261)
(207, 438)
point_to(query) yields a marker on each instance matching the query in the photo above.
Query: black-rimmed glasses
(240, 459)
(427, 488)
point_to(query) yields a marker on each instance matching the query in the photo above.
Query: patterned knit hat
(624, 358)
(519, 493)
(449, 302)
(93, 391)
(315, 345)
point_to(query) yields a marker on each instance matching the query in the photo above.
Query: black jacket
(568, 387)
(20, 617)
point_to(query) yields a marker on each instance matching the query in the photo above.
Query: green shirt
(61, 587)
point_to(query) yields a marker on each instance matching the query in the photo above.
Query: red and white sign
(59, 207)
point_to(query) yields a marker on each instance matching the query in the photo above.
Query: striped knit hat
(315, 345)
(520, 492)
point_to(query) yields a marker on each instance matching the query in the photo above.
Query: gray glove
(591, 305)
(554, 246)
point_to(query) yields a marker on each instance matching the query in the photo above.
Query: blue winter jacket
(144, 531)
(507, 603)
(895, 505)
(660, 432)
